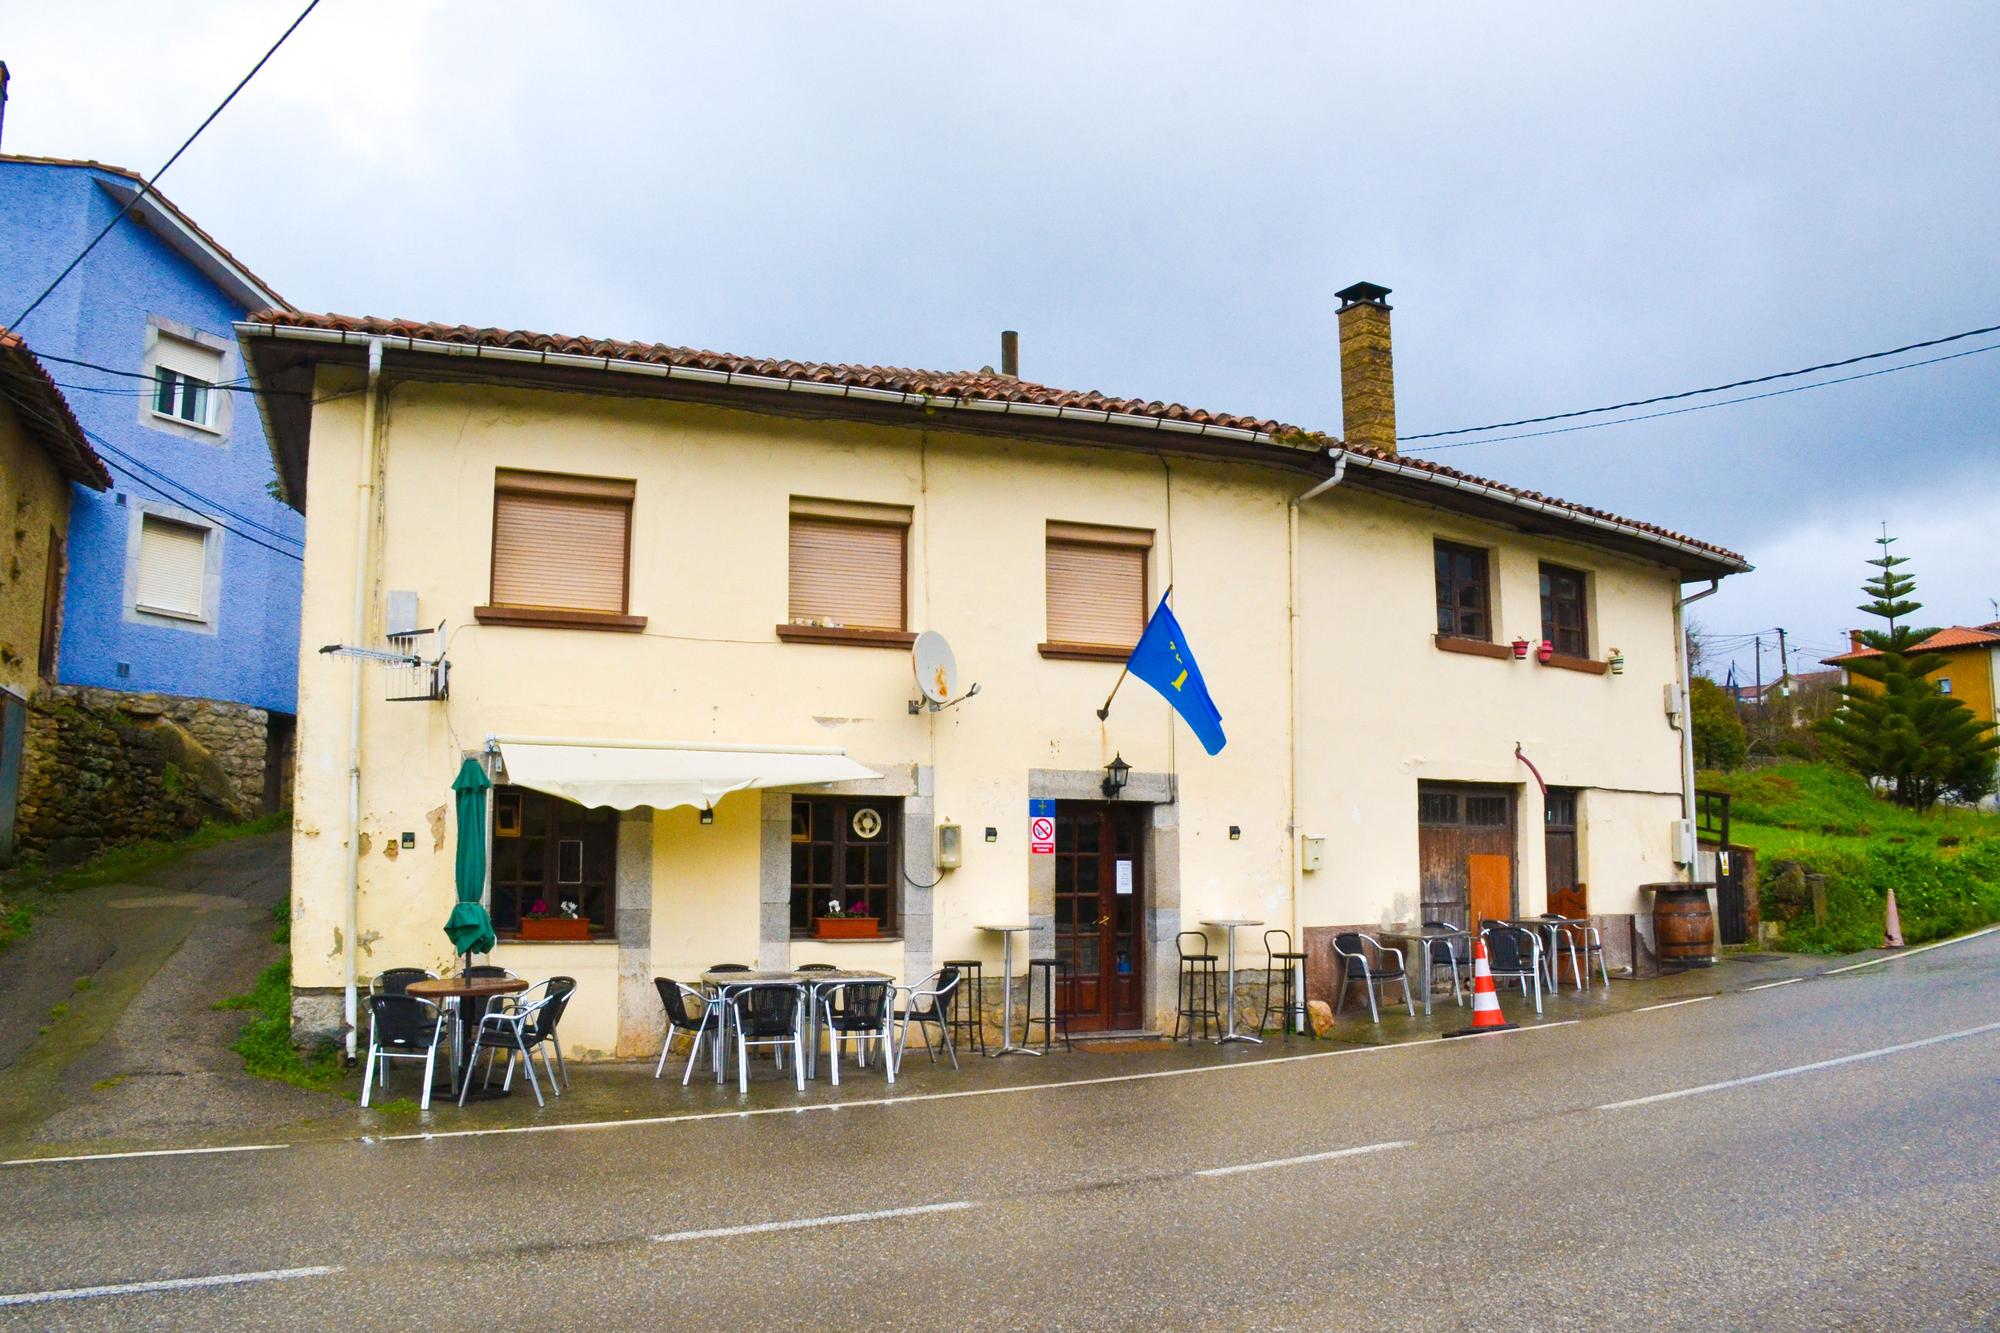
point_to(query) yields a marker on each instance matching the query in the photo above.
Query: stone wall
(104, 767)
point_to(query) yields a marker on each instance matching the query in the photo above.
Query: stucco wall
(1382, 707)
(35, 500)
(105, 312)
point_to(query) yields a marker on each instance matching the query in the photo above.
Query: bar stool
(1281, 965)
(966, 1016)
(1198, 984)
(1050, 1014)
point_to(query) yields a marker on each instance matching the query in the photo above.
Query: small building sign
(1042, 827)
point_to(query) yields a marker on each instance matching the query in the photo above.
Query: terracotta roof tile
(1945, 640)
(960, 384)
(45, 414)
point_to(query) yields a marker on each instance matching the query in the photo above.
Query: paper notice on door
(1125, 877)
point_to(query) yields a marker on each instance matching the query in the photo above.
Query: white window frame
(192, 354)
(211, 581)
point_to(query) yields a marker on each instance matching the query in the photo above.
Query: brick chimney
(1367, 379)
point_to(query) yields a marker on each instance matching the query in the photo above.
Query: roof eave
(242, 286)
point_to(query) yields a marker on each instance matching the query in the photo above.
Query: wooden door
(1566, 896)
(1100, 912)
(1465, 852)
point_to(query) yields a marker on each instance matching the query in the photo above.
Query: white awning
(663, 774)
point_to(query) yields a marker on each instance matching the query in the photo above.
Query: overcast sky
(1575, 205)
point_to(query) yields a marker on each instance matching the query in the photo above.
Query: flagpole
(1105, 712)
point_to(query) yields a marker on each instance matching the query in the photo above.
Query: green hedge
(1939, 892)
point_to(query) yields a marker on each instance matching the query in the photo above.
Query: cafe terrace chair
(492, 972)
(1560, 939)
(1281, 992)
(928, 1005)
(394, 980)
(774, 1015)
(817, 967)
(527, 1027)
(402, 1027)
(1514, 953)
(1454, 953)
(858, 1012)
(674, 998)
(1586, 939)
(1363, 958)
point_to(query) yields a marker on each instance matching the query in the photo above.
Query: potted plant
(846, 923)
(539, 923)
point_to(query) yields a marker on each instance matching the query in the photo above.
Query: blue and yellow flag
(1163, 660)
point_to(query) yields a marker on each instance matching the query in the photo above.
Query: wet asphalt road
(1493, 1189)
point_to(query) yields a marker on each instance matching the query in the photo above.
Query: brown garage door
(1465, 848)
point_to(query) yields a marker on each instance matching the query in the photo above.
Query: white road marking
(1768, 985)
(801, 1223)
(167, 1284)
(1908, 953)
(1803, 1069)
(915, 1097)
(1671, 1004)
(1302, 1161)
(154, 1152)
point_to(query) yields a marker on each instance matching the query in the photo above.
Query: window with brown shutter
(562, 550)
(849, 573)
(1097, 600)
(52, 591)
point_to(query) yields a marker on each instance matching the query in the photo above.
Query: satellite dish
(937, 669)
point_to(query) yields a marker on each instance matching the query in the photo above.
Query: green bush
(266, 1040)
(1939, 893)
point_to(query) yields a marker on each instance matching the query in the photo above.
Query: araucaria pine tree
(1894, 725)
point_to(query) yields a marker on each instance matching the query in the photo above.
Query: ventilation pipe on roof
(1367, 376)
(364, 522)
(1010, 354)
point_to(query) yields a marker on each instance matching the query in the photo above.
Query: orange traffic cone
(1486, 1015)
(1892, 926)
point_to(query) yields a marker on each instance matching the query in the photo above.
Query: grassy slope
(1944, 865)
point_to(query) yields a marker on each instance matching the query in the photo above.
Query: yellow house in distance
(680, 591)
(43, 451)
(1971, 670)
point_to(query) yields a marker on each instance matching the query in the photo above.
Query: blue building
(184, 577)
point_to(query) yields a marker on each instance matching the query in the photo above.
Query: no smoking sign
(1041, 827)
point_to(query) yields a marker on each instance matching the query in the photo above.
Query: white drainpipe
(358, 636)
(1292, 667)
(1687, 715)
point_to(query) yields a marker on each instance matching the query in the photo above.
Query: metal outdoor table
(473, 994)
(1423, 937)
(1549, 925)
(1006, 933)
(1228, 926)
(810, 980)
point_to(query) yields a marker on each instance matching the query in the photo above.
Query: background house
(1971, 669)
(43, 456)
(664, 550)
(184, 576)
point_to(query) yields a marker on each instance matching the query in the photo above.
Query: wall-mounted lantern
(1115, 774)
(708, 814)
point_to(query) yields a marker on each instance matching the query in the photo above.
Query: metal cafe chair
(674, 998)
(1559, 940)
(402, 1027)
(928, 1005)
(770, 1014)
(817, 967)
(1514, 953)
(1363, 958)
(1454, 953)
(1586, 940)
(528, 1026)
(858, 1012)
(395, 980)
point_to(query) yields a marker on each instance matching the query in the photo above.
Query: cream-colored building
(689, 558)
(43, 452)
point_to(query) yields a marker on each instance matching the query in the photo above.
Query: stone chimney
(1367, 379)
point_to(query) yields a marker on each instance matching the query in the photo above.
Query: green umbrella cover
(468, 926)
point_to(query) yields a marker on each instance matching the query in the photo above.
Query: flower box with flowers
(851, 923)
(539, 923)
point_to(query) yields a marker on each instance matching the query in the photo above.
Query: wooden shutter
(52, 591)
(848, 565)
(1096, 584)
(561, 542)
(173, 560)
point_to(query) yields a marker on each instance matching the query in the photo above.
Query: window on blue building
(182, 396)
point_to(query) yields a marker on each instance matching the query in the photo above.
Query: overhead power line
(146, 187)
(1681, 411)
(1713, 388)
(188, 496)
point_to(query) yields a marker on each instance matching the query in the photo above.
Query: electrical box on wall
(951, 852)
(1673, 702)
(399, 613)
(1684, 843)
(1312, 851)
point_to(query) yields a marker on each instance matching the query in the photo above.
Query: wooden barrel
(1683, 927)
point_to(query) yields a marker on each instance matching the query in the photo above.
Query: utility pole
(1760, 678)
(1785, 681)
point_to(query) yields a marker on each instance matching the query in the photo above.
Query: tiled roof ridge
(51, 421)
(152, 192)
(977, 385)
(1951, 636)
